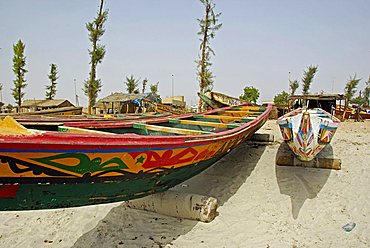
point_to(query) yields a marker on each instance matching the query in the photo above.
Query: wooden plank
(25, 123)
(80, 130)
(204, 123)
(249, 108)
(240, 112)
(178, 204)
(324, 163)
(226, 118)
(262, 137)
(169, 129)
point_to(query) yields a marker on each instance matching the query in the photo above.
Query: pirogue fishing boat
(75, 166)
(224, 99)
(308, 131)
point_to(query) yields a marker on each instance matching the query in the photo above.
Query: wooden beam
(144, 126)
(250, 108)
(324, 163)
(226, 118)
(239, 112)
(25, 123)
(204, 123)
(178, 204)
(262, 137)
(80, 130)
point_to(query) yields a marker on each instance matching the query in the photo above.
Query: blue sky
(259, 44)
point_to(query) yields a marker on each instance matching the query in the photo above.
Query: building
(326, 102)
(176, 101)
(122, 103)
(37, 105)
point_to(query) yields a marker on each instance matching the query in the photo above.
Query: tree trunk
(202, 68)
(93, 65)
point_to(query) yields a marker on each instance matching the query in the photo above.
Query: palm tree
(131, 85)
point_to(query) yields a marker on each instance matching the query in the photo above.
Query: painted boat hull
(307, 132)
(225, 99)
(57, 195)
(57, 170)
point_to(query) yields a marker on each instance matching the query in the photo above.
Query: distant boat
(76, 166)
(224, 99)
(218, 100)
(213, 104)
(308, 131)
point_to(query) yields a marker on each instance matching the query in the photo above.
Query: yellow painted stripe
(228, 118)
(241, 112)
(204, 123)
(251, 108)
(169, 129)
(221, 117)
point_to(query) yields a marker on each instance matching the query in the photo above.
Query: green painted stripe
(49, 196)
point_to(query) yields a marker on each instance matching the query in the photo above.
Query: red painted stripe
(8, 191)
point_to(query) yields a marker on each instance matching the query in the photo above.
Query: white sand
(261, 206)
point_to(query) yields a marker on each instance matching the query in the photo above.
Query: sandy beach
(261, 205)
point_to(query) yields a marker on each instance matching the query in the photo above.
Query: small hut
(122, 103)
(37, 105)
(327, 102)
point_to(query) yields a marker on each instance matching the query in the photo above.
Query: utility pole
(173, 90)
(77, 103)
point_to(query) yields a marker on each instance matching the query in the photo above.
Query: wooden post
(324, 163)
(178, 204)
(262, 137)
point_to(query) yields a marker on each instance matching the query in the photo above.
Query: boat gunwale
(132, 140)
(300, 110)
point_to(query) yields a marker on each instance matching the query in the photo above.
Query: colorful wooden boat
(77, 166)
(224, 99)
(213, 103)
(52, 123)
(308, 131)
(162, 108)
(210, 102)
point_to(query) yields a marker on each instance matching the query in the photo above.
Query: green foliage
(307, 79)
(19, 63)
(132, 84)
(208, 27)
(358, 100)
(154, 91)
(367, 93)
(351, 86)
(92, 89)
(145, 81)
(281, 99)
(51, 90)
(251, 94)
(92, 86)
(9, 107)
(293, 85)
